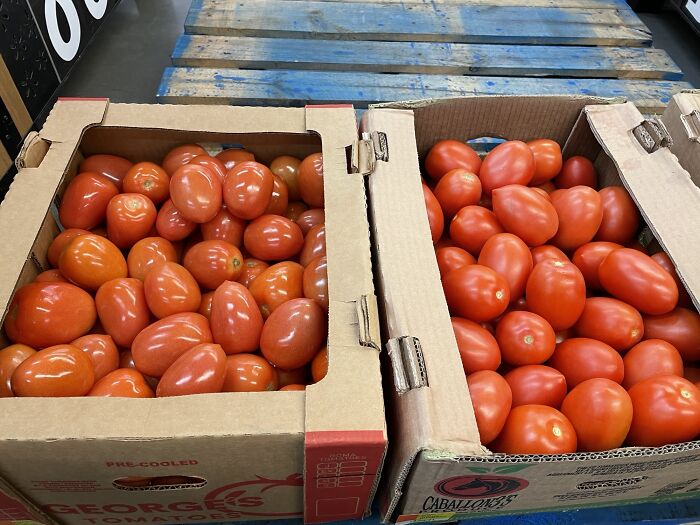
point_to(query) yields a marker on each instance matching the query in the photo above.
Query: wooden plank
(288, 88)
(13, 100)
(586, 4)
(417, 22)
(424, 57)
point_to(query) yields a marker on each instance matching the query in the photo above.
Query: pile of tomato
(202, 274)
(572, 337)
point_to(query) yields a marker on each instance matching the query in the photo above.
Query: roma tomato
(50, 276)
(651, 358)
(476, 292)
(286, 168)
(273, 238)
(297, 376)
(213, 262)
(294, 333)
(666, 410)
(102, 352)
(84, 204)
(511, 162)
(58, 371)
(577, 171)
(510, 257)
(248, 190)
(491, 399)
(681, 328)
(295, 209)
(292, 387)
(150, 180)
(548, 160)
(224, 227)
(610, 321)
(130, 218)
(666, 263)
(236, 321)
(319, 365)
(448, 155)
(310, 180)
(205, 305)
(451, 257)
(314, 244)
(315, 281)
(123, 382)
(588, 257)
(536, 429)
(536, 385)
(580, 212)
(249, 373)
(148, 252)
(310, 218)
(171, 289)
(620, 216)
(548, 187)
(171, 225)
(277, 284)
(457, 189)
(122, 308)
(525, 338)
(581, 358)
(200, 370)
(279, 198)
(525, 213)
(46, 314)
(213, 164)
(181, 155)
(232, 156)
(436, 219)
(62, 240)
(10, 358)
(472, 227)
(556, 291)
(637, 279)
(601, 412)
(251, 269)
(110, 166)
(159, 345)
(547, 251)
(478, 349)
(196, 193)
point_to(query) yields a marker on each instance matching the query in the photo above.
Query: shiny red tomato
(123, 382)
(181, 155)
(663, 260)
(620, 216)
(491, 399)
(556, 291)
(314, 244)
(580, 358)
(310, 180)
(251, 269)
(637, 279)
(277, 284)
(146, 253)
(610, 321)
(577, 171)
(279, 198)
(525, 338)
(510, 257)
(121, 305)
(159, 345)
(249, 373)
(580, 213)
(213, 262)
(536, 385)
(525, 213)
(547, 251)
(200, 370)
(295, 209)
(511, 162)
(205, 305)
(273, 238)
(171, 289)
(456, 189)
(248, 190)
(472, 227)
(548, 161)
(436, 219)
(110, 166)
(236, 321)
(319, 365)
(666, 410)
(58, 371)
(294, 333)
(62, 240)
(601, 412)
(310, 218)
(588, 257)
(148, 179)
(224, 227)
(196, 192)
(171, 225)
(212, 164)
(47, 314)
(478, 349)
(84, 204)
(286, 168)
(681, 328)
(102, 352)
(315, 281)
(536, 429)
(476, 292)
(451, 257)
(50, 276)
(130, 218)
(448, 155)
(232, 156)
(10, 358)
(651, 358)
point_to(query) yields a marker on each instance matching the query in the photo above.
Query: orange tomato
(297, 376)
(536, 429)
(611, 321)
(224, 227)
(651, 358)
(123, 382)
(310, 218)
(200, 370)
(102, 352)
(456, 189)
(273, 238)
(287, 169)
(279, 198)
(525, 338)
(548, 161)
(292, 387)
(511, 162)
(581, 358)
(620, 216)
(525, 213)
(148, 252)
(680, 327)
(236, 321)
(212, 164)
(121, 305)
(232, 156)
(663, 260)
(248, 190)
(436, 219)
(536, 385)
(196, 192)
(477, 347)
(90, 261)
(491, 399)
(251, 269)
(315, 281)
(130, 218)
(451, 257)
(10, 358)
(171, 289)
(110, 166)
(277, 284)
(319, 365)
(547, 251)
(213, 262)
(476, 292)
(556, 291)
(310, 180)
(588, 257)
(181, 155)
(314, 244)
(472, 227)
(171, 225)
(510, 257)
(57, 371)
(148, 179)
(249, 373)
(580, 213)
(50, 276)
(84, 204)
(205, 305)
(60, 242)
(447, 155)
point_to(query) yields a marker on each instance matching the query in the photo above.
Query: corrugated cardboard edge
(682, 118)
(14, 505)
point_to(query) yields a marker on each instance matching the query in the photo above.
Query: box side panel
(17, 510)
(682, 119)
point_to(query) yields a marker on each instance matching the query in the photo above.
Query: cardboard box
(437, 469)
(239, 456)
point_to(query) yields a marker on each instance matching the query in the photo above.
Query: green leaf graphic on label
(507, 469)
(479, 470)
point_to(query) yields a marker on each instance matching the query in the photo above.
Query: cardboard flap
(661, 187)
(682, 120)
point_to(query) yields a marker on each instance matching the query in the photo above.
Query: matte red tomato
(148, 252)
(286, 168)
(478, 349)
(248, 190)
(232, 156)
(171, 289)
(556, 291)
(620, 216)
(249, 373)
(456, 189)
(610, 321)
(681, 328)
(491, 399)
(511, 162)
(525, 213)
(314, 244)
(205, 305)
(171, 225)
(50, 276)
(601, 412)
(251, 269)
(279, 198)
(236, 321)
(319, 365)
(588, 257)
(315, 281)
(536, 429)
(130, 218)
(637, 245)
(472, 227)
(525, 338)
(159, 345)
(577, 171)
(102, 352)
(10, 358)
(110, 166)
(84, 204)
(511, 258)
(580, 213)
(57, 371)
(548, 161)
(46, 314)
(310, 180)
(121, 305)
(476, 292)
(277, 284)
(663, 260)
(224, 227)
(273, 238)
(666, 410)
(310, 218)
(451, 257)
(196, 192)
(213, 262)
(581, 358)
(212, 164)
(123, 382)
(181, 155)
(448, 155)
(637, 279)
(547, 251)
(294, 333)
(651, 358)
(295, 209)
(200, 370)
(536, 385)
(436, 219)
(148, 179)
(59, 242)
